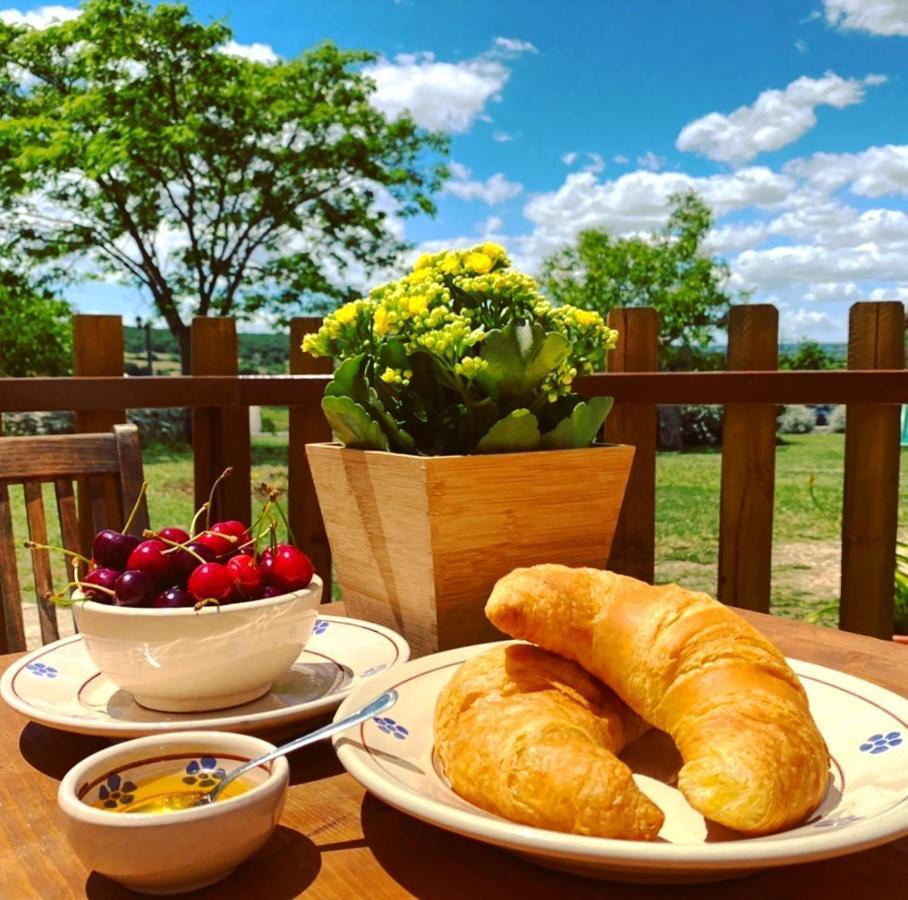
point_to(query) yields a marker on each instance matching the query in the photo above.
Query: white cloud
(651, 162)
(776, 118)
(833, 291)
(569, 158)
(513, 46)
(873, 172)
(492, 225)
(884, 17)
(502, 137)
(800, 46)
(620, 159)
(795, 324)
(41, 17)
(596, 163)
(440, 96)
(495, 189)
(735, 237)
(895, 292)
(256, 52)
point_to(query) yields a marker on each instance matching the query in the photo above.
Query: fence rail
(875, 383)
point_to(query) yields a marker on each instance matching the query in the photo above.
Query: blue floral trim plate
(866, 803)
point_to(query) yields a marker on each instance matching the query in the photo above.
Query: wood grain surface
(334, 841)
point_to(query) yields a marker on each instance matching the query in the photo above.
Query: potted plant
(462, 451)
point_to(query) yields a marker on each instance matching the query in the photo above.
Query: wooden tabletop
(335, 841)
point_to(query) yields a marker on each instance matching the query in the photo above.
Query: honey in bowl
(166, 793)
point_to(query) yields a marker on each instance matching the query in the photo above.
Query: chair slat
(132, 475)
(66, 510)
(57, 456)
(12, 628)
(98, 502)
(37, 530)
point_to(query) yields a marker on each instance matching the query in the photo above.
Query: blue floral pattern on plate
(42, 670)
(389, 726)
(321, 626)
(116, 792)
(880, 743)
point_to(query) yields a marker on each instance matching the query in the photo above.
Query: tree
(131, 141)
(35, 329)
(668, 271)
(810, 355)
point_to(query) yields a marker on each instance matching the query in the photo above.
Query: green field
(806, 526)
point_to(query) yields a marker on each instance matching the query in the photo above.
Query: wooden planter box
(418, 542)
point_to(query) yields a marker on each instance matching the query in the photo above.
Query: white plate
(865, 727)
(59, 685)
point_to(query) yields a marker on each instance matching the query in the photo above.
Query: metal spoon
(188, 799)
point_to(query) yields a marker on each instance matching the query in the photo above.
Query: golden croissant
(753, 757)
(530, 736)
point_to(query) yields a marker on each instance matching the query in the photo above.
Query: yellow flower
(478, 262)
(417, 305)
(450, 264)
(423, 262)
(380, 321)
(391, 376)
(495, 251)
(347, 313)
(418, 275)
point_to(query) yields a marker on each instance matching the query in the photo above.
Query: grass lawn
(806, 533)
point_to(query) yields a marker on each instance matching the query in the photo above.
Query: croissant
(753, 757)
(530, 736)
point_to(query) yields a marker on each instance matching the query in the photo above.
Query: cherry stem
(135, 507)
(283, 516)
(208, 601)
(225, 474)
(34, 545)
(195, 518)
(173, 545)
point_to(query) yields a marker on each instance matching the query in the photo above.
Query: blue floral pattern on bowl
(389, 726)
(116, 792)
(880, 743)
(42, 670)
(320, 627)
(204, 772)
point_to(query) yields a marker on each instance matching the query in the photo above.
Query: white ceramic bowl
(170, 853)
(181, 660)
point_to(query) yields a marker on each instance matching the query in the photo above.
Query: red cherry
(211, 580)
(177, 535)
(149, 557)
(246, 574)
(105, 578)
(217, 543)
(291, 569)
(233, 527)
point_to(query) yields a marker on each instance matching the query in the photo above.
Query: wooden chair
(108, 471)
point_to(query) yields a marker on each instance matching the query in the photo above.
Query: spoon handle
(373, 708)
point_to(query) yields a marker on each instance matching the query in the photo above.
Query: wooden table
(336, 841)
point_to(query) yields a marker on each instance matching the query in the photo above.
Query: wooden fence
(873, 387)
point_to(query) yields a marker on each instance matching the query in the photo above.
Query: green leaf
(519, 357)
(352, 425)
(349, 379)
(580, 428)
(517, 431)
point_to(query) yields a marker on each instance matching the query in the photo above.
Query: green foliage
(900, 617)
(270, 181)
(462, 355)
(668, 271)
(810, 355)
(35, 329)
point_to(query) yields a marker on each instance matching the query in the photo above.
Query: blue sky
(789, 116)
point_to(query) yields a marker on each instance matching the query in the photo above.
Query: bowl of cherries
(197, 619)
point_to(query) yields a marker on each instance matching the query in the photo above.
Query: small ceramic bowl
(183, 660)
(169, 853)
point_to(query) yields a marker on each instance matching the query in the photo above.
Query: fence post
(876, 340)
(220, 435)
(307, 425)
(748, 466)
(97, 350)
(634, 547)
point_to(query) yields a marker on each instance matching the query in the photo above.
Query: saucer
(58, 685)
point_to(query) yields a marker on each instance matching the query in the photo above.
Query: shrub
(25, 424)
(837, 420)
(796, 420)
(159, 426)
(701, 425)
